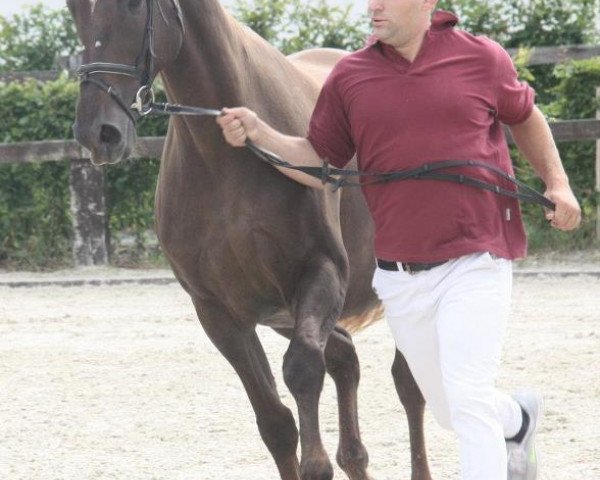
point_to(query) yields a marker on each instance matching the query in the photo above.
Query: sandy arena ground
(120, 382)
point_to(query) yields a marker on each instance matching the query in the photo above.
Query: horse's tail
(357, 322)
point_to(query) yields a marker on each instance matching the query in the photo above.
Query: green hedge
(35, 228)
(575, 91)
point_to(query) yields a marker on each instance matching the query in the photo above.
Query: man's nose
(375, 5)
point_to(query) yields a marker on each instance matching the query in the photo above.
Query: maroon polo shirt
(448, 104)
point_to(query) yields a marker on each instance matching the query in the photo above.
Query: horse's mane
(254, 72)
(260, 52)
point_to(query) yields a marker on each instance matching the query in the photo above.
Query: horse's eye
(134, 5)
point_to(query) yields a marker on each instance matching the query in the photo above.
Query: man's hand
(567, 215)
(239, 124)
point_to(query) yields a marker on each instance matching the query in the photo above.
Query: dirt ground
(120, 382)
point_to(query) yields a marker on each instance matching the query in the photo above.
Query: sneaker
(522, 459)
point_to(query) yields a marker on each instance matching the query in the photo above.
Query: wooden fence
(87, 181)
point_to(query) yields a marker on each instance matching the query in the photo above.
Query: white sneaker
(522, 458)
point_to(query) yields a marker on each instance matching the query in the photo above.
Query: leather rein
(145, 104)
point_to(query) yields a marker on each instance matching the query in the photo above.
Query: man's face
(398, 22)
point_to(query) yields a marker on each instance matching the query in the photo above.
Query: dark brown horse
(249, 245)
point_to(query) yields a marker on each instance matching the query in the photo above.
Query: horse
(249, 245)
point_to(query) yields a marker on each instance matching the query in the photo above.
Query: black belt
(407, 267)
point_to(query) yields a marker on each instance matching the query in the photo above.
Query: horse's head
(126, 43)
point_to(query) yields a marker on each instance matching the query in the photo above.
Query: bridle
(142, 71)
(144, 104)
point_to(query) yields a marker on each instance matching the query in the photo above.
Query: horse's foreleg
(316, 305)
(342, 365)
(414, 404)
(242, 348)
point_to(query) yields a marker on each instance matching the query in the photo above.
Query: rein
(144, 104)
(429, 171)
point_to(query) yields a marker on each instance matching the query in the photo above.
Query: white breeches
(449, 323)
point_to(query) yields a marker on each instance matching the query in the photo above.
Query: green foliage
(552, 22)
(25, 108)
(295, 25)
(34, 39)
(517, 23)
(576, 98)
(130, 205)
(575, 89)
(35, 227)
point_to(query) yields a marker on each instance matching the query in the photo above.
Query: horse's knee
(278, 431)
(303, 367)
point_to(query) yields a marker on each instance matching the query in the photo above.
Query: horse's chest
(245, 282)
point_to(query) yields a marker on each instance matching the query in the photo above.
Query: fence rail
(553, 55)
(58, 150)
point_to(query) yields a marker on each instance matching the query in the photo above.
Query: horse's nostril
(110, 135)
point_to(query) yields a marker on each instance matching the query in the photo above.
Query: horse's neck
(222, 64)
(190, 74)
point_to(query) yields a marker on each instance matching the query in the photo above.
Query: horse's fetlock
(319, 468)
(353, 457)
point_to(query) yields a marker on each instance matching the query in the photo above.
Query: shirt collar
(442, 20)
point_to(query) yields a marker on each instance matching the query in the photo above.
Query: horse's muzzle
(107, 142)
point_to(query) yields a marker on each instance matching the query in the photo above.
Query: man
(423, 91)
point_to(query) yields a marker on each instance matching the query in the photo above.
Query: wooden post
(598, 168)
(88, 211)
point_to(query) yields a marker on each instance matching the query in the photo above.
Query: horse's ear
(81, 11)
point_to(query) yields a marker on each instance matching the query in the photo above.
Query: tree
(295, 25)
(516, 23)
(34, 39)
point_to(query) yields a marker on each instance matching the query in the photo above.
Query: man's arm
(534, 139)
(240, 124)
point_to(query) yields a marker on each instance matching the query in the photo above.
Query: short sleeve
(329, 129)
(514, 99)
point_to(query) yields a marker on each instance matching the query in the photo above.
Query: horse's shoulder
(317, 62)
